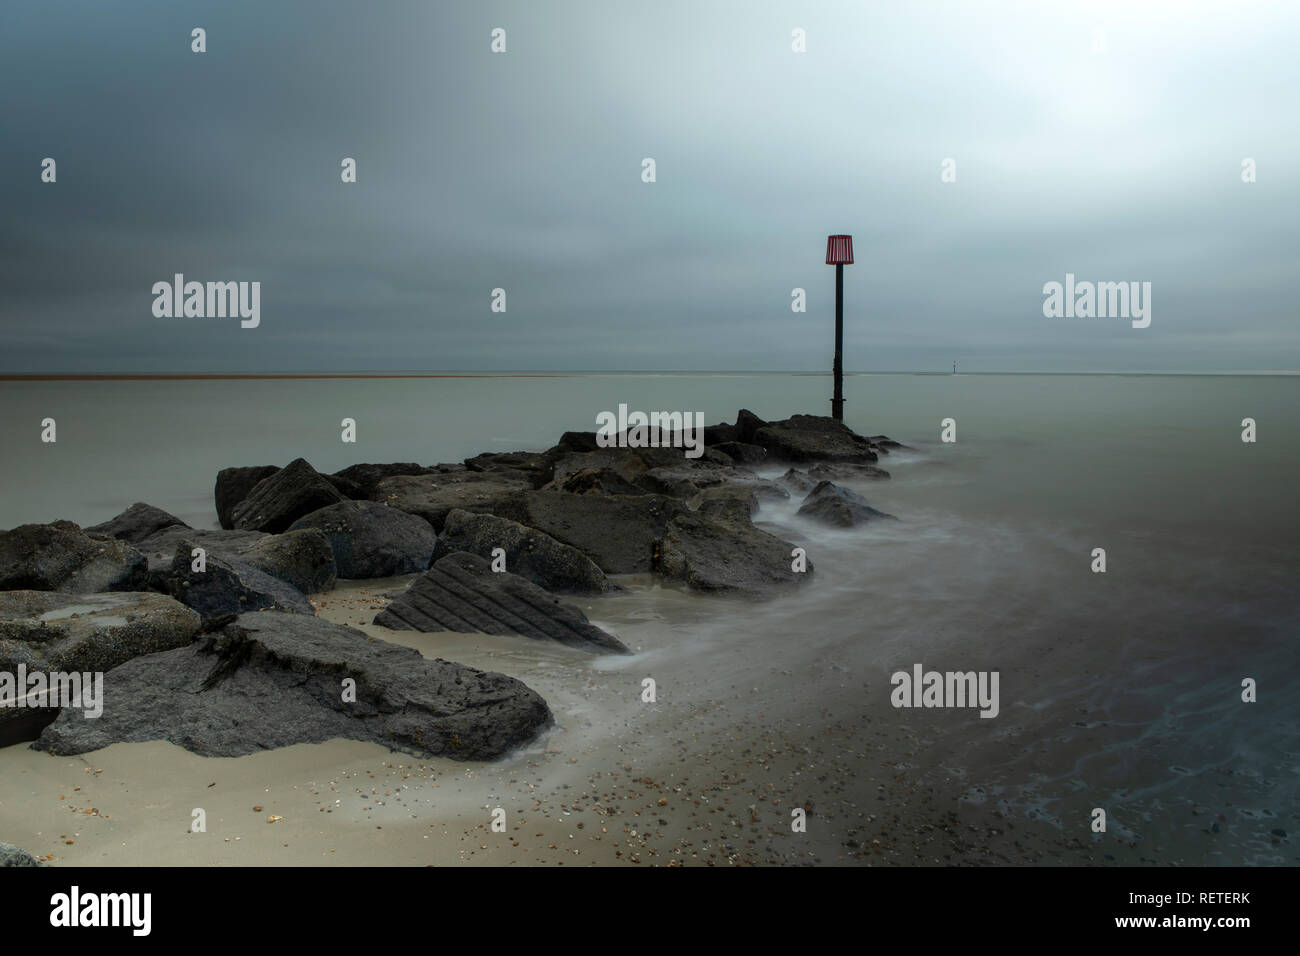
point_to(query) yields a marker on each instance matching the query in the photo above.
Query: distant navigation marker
(839, 253)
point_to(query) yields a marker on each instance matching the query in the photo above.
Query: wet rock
(618, 532)
(682, 481)
(803, 438)
(798, 482)
(364, 477)
(293, 670)
(229, 586)
(843, 470)
(720, 550)
(746, 427)
(233, 486)
(732, 502)
(886, 444)
(462, 593)
(537, 468)
(741, 453)
(50, 631)
(715, 435)
(763, 489)
(55, 631)
(11, 855)
(833, 505)
(576, 442)
(301, 557)
(136, 523)
(594, 481)
(61, 557)
(529, 553)
(346, 487)
(276, 502)
(304, 561)
(372, 540)
(433, 496)
(160, 547)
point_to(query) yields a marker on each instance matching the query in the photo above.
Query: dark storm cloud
(522, 171)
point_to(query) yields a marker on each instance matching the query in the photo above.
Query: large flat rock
(49, 631)
(462, 593)
(52, 631)
(433, 496)
(803, 438)
(273, 680)
(619, 532)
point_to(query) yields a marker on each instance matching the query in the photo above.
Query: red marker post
(839, 253)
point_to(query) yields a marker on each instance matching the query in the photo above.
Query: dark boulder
(372, 540)
(576, 442)
(886, 444)
(233, 486)
(160, 547)
(229, 586)
(278, 501)
(718, 549)
(741, 453)
(348, 488)
(529, 553)
(304, 561)
(61, 557)
(364, 477)
(618, 532)
(537, 468)
(833, 505)
(747, 426)
(594, 481)
(301, 557)
(715, 435)
(798, 482)
(462, 593)
(733, 502)
(803, 438)
(273, 680)
(136, 523)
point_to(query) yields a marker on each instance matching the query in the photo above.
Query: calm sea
(1119, 690)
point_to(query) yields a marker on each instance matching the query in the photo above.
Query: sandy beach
(707, 775)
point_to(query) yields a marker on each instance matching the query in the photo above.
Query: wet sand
(708, 774)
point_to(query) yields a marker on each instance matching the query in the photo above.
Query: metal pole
(837, 403)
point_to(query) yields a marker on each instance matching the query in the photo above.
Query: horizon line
(569, 373)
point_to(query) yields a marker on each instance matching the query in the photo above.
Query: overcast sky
(523, 171)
